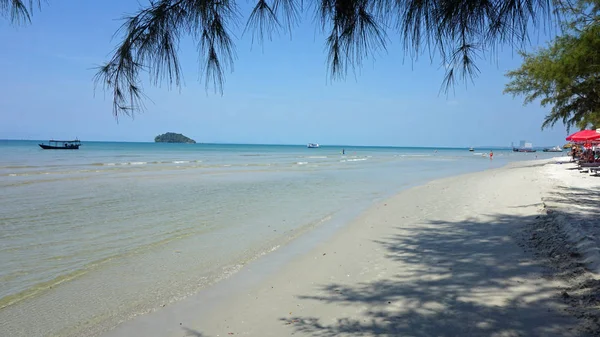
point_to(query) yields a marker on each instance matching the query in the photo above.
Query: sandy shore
(567, 238)
(441, 259)
(574, 197)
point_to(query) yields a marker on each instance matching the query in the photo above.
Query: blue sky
(279, 93)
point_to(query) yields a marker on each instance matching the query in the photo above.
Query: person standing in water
(491, 154)
(343, 151)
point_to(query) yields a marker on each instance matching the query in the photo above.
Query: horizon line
(291, 144)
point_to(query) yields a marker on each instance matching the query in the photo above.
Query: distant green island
(171, 137)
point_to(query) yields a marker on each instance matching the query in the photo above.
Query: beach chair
(587, 167)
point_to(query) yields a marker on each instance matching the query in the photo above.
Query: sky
(278, 93)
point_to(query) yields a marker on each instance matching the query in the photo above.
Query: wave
(17, 167)
(414, 155)
(151, 162)
(79, 172)
(124, 163)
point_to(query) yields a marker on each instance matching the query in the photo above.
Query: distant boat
(61, 145)
(523, 149)
(553, 149)
(312, 145)
(471, 149)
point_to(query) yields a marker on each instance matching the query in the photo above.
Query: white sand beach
(443, 259)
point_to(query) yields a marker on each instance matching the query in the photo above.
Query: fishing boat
(61, 145)
(312, 145)
(471, 149)
(524, 147)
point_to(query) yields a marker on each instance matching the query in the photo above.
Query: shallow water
(139, 225)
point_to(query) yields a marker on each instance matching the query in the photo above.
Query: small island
(171, 137)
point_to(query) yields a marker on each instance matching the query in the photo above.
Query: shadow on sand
(585, 199)
(466, 279)
(192, 333)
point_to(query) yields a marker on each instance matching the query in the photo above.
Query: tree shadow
(588, 198)
(578, 207)
(192, 333)
(539, 204)
(467, 278)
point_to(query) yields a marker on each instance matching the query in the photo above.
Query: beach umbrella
(584, 135)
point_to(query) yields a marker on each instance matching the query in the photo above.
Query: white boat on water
(553, 149)
(312, 145)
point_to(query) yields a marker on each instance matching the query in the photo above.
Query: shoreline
(243, 279)
(263, 298)
(80, 293)
(267, 263)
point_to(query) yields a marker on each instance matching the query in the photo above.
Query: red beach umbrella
(584, 135)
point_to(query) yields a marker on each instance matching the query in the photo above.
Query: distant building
(525, 144)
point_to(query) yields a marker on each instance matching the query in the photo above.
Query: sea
(90, 238)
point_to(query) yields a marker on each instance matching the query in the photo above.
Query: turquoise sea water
(139, 225)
